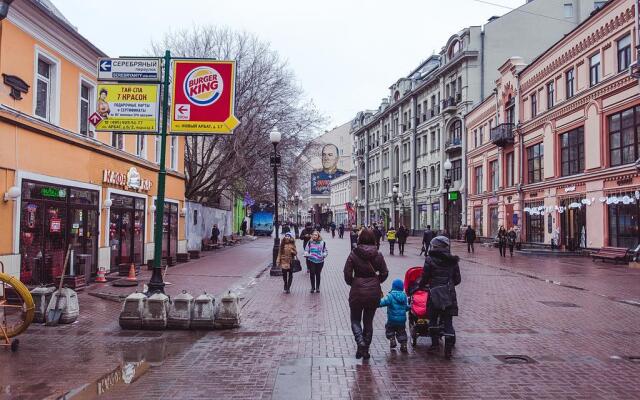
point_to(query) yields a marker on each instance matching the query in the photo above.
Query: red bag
(419, 303)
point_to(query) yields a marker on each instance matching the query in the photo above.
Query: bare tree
(266, 97)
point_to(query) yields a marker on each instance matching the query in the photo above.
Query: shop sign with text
(126, 108)
(130, 180)
(203, 97)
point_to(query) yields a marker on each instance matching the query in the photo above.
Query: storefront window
(435, 216)
(477, 221)
(624, 224)
(493, 221)
(534, 227)
(573, 224)
(170, 230)
(126, 230)
(52, 218)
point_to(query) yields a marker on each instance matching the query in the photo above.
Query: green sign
(53, 192)
(454, 195)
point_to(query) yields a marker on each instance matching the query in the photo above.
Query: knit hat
(440, 243)
(397, 285)
(288, 235)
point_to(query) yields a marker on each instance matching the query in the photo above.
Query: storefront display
(573, 229)
(126, 230)
(624, 222)
(534, 227)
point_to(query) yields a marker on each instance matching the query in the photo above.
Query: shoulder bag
(440, 296)
(295, 264)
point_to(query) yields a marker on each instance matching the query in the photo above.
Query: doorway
(126, 230)
(574, 225)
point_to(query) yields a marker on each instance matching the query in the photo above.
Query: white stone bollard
(203, 312)
(41, 298)
(68, 304)
(154, 315)
(132, 310)
(180, 311)
(227, 313)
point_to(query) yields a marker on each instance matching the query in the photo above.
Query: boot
(392, 343)
(403, 347)
(435, 344)
(448, 348)
(366, 355)
(360, 351)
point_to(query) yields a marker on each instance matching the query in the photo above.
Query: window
(624, 136)
(141, 151)
(493, 175)
(418, 147)
(569, 78)
(477, 220)
(433, 176)
(195, 217)
(494, 221)
(594, 69)
(572, 152)
(174, 153)
(509, 163)
(568, 10)
(117, 141)
(455, 132)
(481, 133)
(478, 175)
(424, 178)
(438, 175)
(534, 105)
(535, 162)
(86, 96)
(624, 53)
(157, 147)
(433, 141)
(43, 89)
(456, 170)
(624, 220)
(550, 93)
(418, 178)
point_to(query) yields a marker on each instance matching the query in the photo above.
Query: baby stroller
(418, 297)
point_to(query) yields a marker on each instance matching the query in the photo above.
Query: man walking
(470, 237)
(378, 233)
(243, 227)
(427, 236)
(215, 233)
(341, 231)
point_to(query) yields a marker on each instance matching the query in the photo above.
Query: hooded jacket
(364, 270)
(397, 305)
(440, 268)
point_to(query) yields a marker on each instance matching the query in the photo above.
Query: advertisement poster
(262, 219)
(203, 97)
(126, 108)
(321, 179)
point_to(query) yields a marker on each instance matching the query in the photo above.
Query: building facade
(560, 159)
(406, 143)
(344, 191)
(65, 184)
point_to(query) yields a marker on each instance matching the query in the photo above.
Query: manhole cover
(558, 304)
(515, 359)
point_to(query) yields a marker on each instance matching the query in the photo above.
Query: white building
(344, 190)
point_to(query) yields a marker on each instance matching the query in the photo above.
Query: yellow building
(63, 183)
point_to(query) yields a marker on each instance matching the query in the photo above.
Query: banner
(126, 108)
(321, 181)
(203, 97)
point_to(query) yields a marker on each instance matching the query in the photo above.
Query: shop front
(126, 230)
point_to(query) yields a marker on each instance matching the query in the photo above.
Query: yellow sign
(126, 108)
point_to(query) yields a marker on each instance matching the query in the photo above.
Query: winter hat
(290, 236)
(440, 243)
(397, 285)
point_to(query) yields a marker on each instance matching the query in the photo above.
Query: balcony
(449, 104)
(453, 144)
(502, 135)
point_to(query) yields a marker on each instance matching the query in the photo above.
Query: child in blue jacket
(397, 307)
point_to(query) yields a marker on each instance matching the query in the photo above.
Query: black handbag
(440, 296)
(296, 266)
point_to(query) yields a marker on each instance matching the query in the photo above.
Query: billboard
(203, 97)
(321, 179)
(126, 108)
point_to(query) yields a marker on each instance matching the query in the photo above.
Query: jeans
(511, 249)
(397, 331)
(315, 271)
(362, 316)
(287, 277)
(470, 248)
(503, 249)
(391, 245)
(401, 247)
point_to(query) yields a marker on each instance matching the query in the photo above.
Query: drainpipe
(4, 8)
(521, 155)
(482, 64)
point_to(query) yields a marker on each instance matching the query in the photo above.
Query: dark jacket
(215, 232)
(470, 235)
(341, 228)
(305, 235)
(440, 268)
(285, 229)
(427, 236)
(402, 234)
(364, 270)
(511, 236)
(502, 237)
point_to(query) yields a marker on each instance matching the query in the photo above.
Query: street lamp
(356, 203)
(274, 137)
(296, 200)
(394, 197)
(447, 185)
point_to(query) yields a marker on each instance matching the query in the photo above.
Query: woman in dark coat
(441, 268)
(502, 241)
(364, 270)
(401, 235)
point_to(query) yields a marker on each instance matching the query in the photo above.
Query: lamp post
(296, 200)
(394, 197)
(447, 185)
(275, 138)
(356, 203)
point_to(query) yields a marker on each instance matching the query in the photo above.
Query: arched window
(424, 178)
(433, 176)
(396, 96)
(454, 49)
(455, 132)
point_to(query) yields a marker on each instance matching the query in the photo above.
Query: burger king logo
(203, 86)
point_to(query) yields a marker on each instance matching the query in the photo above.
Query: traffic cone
(100, 278)
(132, 274)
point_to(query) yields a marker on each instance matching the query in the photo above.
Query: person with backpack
(391, 238)
(364, 271)
(397, 307)
(401, 235)
(286, 254)
(315, 252)
(426, 240)
(441, 273)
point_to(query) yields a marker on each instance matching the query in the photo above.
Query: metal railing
(502, 134)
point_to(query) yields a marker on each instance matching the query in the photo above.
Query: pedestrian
(215, 233)
(391, 238)
(243, 227)
(427, 235)
(353, 237)
(397, 307)
(286, 254)
(305, 235)
(401, 235)
(470, 237)
(296, 230)
(285, 228)
(502, 241)
(364, 271)
(511, 240)
(315, 252)
(441, 273)
(333, 230)
(378, 233)
(341, 231)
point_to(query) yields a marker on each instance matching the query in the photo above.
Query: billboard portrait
(320, 180)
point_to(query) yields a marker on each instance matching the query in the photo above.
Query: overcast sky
(345, 53)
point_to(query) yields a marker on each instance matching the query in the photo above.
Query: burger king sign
(203, 97)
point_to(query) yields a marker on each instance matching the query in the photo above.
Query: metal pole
(156, 285)
(446, 212)
(275, 269)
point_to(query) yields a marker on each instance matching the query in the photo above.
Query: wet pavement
(563, 319)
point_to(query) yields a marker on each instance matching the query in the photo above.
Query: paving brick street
(568, 315)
